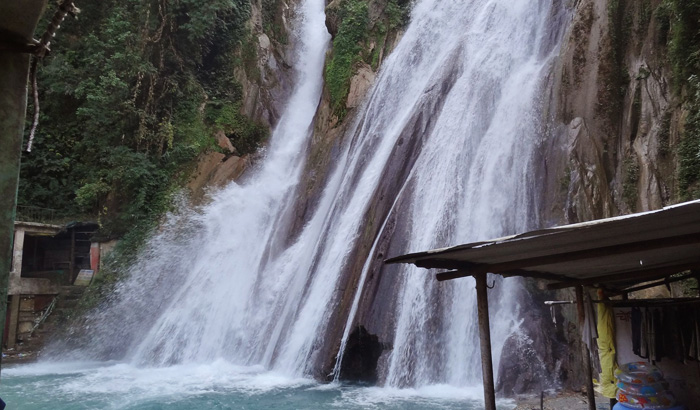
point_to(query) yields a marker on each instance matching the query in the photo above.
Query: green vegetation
(665, 135)
(679, 21)
(682, 19)
(346, 51)
(613, 67)
(130, 95)
(349, 48)
(272, 20)
(689, 147)
(397, 13)
(565, 181)
(645, 12)
(631, 180)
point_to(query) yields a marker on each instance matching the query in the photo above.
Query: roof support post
(587, 367)
(71, 262)
(482, 303)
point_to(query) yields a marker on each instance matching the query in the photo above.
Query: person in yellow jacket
(606, 349)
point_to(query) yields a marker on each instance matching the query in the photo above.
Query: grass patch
(689, 147)
(630, 191)
(352, 31)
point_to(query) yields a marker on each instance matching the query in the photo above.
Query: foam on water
(81, 385)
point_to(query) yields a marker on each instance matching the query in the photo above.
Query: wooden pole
(14, 319)
(71, 262)
(482, 303)
(587, 367)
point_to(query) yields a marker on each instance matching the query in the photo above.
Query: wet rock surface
(522, 368)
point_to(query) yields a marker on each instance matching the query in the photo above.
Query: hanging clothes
(694, 351)
(649, 335)
(636, 318)
(671, 334)
(589, 332)
(658, 330)
(685, 334)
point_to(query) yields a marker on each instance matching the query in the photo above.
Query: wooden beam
(530, 274)
(461, 273)
(441, 263)
(651, 302)
(585, 353)
(631, 276)
(668, 280)
(453, 274)
(482, 303)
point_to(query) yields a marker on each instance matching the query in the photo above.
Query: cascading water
(470, 77)
(460, 96)
(476, 174)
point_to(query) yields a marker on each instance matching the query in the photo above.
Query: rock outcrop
(266, 77)
(613, 91)
(615, 121)
(267, 73)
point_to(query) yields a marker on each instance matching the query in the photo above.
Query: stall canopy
(613, 253)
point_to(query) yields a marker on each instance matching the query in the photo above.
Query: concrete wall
(29, 286)
(21, 290)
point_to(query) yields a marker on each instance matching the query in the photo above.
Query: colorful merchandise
(642, 386)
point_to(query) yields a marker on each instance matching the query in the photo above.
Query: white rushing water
(463, 88)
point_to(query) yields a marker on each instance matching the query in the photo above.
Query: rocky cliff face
(622, 117)
(618, 112)
(266, 79)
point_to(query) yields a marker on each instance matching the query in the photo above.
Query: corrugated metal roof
(615, 251)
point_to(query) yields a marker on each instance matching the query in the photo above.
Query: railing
(47, 312)
(36, 214)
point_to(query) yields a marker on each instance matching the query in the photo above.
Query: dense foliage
(681, 18)
(349, 48)
(346, 50)
(131, 93)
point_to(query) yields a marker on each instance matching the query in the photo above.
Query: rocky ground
(11, 356)
(562, 400)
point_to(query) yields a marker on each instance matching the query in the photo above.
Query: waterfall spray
(441, 152)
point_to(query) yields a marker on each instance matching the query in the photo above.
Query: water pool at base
(220, 385)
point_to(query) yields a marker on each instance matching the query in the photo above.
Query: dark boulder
(533, 357)
(362, 353)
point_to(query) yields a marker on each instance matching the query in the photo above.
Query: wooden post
(482, 303)
(587, 367)
(71, 262)
(14, 320)
(17, 255)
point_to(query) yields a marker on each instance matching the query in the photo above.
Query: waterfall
(476, 174)
(204, 287)
(444, 150)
